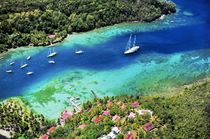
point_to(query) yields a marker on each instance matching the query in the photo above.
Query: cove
(174, 52)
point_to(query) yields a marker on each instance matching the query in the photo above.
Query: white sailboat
(30, 73)
(79, 51)
(28, 58)
(9, 71)
(11, 63)
(23, 66)
(51, 53)
(51, 62)
(131, 49)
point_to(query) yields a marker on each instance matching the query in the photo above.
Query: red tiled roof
(129, 135)
(115, 118)
(66, 114)
(135, 104)
(82, 126)
(107, 113)
(51, 129)
(45, 136)
(51, 36)
(97, 119)
(148, 126)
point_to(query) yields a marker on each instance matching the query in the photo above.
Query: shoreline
(73, 33)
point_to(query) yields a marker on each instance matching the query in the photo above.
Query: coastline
(54, 43)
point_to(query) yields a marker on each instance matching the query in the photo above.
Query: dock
(72, 101)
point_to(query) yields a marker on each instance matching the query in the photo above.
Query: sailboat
(30, 73)
(52, 53)
(28, 58)
(23, 66)
(11, 63)
(131, 49)
(9, 71)
(79, 52)
(51, 62)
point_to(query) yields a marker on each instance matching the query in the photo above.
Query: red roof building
(135, 104)
(148, 127)
(51, 36)
(115, 118)
(97, 119)
(50, 130)
(66, 114)
(106, 113)
(45, 136)
(129, 135)
(82, 126)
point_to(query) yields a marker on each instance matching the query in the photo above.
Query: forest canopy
(24, 23)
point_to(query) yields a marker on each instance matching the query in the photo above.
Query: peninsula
(25, 23)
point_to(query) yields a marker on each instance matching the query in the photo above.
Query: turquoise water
(174, 52)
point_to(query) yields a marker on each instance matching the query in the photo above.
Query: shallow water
(174, 51)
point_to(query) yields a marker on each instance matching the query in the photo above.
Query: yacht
(131, 49)
(51, 53)
(30, 73)
(28, 58)
(8, 71)
(23, 66)
(12, 63)
(51, 62)
(79, 52)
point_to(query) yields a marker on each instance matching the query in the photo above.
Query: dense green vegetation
(17, 119)
(24, 22)
(186, 116)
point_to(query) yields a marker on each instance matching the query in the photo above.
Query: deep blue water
(109, 55)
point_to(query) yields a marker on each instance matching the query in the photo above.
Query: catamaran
(30, 73)
(28, 58)
(52, 53)
(8, 71)
(23, 66)
(79, 52)
(131, 49)
(51, 62)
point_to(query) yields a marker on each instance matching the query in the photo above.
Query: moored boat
(52, 53)
(30, 73)
(9, 71)
(131, 49)
(79, 51)
(51, 62)
(12, 63)
(28, 58)
(23, 66)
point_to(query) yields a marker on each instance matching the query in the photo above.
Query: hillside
(186, 115)
(24, 23)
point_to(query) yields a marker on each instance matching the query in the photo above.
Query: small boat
(162, 17)
(30, 73)
(51, 53)
(12, 63)
(51, 62)
(8, 71)
(28, 58)
(23, 66)
(79, 52)
(134, 48)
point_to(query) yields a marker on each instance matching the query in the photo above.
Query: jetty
(73, 101)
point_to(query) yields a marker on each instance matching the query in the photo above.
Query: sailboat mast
(129, 43)
(134, 41)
